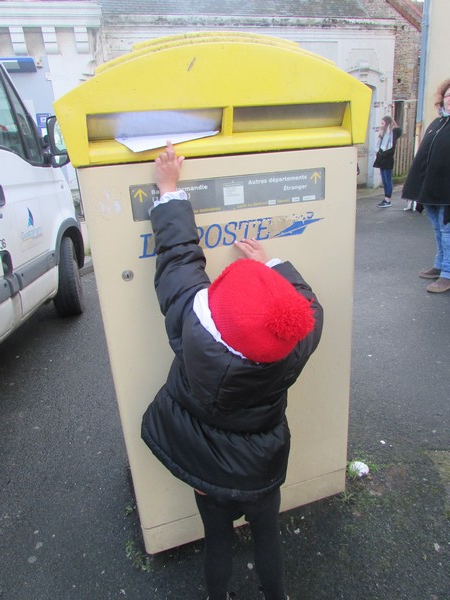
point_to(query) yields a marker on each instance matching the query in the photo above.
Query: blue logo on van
(32, 232)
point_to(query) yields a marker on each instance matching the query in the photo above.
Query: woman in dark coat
(219, 422)
(428, 183)
(387, 140)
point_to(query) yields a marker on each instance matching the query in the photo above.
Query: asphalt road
(68, 525)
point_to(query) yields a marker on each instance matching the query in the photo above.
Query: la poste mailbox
(269, 136)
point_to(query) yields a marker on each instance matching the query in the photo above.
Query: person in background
(428, 183)
(384, 160)
(219, 422)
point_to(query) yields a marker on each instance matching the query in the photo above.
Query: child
(219, 422)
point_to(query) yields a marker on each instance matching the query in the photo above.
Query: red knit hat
(258, 312)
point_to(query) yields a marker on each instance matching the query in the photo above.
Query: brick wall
(407, 49)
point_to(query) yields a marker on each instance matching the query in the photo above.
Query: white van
(41, 244)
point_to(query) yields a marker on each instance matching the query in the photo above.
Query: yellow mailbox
(269, 133)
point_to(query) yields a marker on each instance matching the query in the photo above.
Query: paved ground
(68, 525)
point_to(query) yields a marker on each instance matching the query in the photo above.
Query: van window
(17, 133)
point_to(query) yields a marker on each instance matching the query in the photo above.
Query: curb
(364, 192)
(88, 266)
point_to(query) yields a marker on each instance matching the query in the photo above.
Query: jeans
(442, 232)
(386, 178)
(263, 518)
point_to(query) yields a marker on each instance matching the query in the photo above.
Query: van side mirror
(56, 142)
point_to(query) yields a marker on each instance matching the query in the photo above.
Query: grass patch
(140, 560)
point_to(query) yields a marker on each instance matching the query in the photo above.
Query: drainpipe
(422, 71)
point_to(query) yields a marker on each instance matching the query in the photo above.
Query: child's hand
(252, 249)
(168, 167)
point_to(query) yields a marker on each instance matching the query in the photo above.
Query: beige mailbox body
(299, 201)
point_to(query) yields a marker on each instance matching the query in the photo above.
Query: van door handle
(2, 197)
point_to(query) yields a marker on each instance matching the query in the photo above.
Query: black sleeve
(290, 273)
(417, 171)
(180, 264)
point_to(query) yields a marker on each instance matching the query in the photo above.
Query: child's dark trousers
(263, 518)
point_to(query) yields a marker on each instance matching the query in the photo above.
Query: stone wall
(407, 49)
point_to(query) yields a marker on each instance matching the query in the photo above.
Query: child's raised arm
(168, 167)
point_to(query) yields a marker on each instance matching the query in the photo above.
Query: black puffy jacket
(219, 421)
(428, 179)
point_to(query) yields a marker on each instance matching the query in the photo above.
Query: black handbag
(378, 164)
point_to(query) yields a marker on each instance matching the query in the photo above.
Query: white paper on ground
(358, 468)
(150, 142)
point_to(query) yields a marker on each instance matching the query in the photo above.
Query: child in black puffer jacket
(240, 342)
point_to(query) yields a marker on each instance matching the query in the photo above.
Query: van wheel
(69, 299)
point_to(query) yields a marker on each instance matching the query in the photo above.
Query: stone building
(408, 25)
(376, 41)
